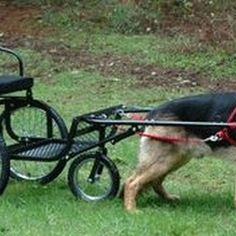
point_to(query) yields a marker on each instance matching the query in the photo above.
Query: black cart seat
(13, 83)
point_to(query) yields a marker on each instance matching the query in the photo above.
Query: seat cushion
(13, 83)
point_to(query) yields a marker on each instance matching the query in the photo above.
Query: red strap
(162, 138)
(232, 115)
(136, 117)
(169, 139)
(224, 133)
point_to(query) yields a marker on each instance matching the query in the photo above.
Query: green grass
(80, 92)
(205, 186)
(176, 52)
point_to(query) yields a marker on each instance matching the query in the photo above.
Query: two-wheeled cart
(35, 143)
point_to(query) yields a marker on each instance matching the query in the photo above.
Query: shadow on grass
(202, 203)
(21, 194)
(33, 191)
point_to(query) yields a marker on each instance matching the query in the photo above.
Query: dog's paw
(134, 211)
(172, 198)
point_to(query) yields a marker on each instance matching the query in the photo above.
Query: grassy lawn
(72, 88)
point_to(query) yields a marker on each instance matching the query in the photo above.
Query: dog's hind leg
(150, 174)
(175, 162)
(138, 180)
(160, 190)
(153, 174)
(156, 160)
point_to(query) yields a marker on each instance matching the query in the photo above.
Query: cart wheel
(4, 167)
(93, 177)
(37, 120)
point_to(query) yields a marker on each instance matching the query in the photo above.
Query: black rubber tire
(4, 168)
(58, 165)
(77, 169)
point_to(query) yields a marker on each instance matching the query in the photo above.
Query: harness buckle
(212, 138)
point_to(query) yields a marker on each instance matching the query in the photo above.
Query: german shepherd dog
(157, 158)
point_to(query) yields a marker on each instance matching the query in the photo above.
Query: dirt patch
(144, 75)
(21, 26)
(121, 66)
(22, 21)
(177, 79)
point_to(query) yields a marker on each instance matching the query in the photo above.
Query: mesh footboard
(48, 151)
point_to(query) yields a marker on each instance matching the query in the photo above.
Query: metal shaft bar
(160, 122)
(137, 109)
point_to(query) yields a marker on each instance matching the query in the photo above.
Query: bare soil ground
(22, 26)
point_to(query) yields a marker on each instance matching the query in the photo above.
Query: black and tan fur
(158, 159)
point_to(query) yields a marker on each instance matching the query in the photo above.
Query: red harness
(222, 134)
(166, 139)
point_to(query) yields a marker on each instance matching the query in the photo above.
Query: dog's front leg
(130, 192)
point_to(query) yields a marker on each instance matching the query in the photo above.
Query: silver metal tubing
(160, 122)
